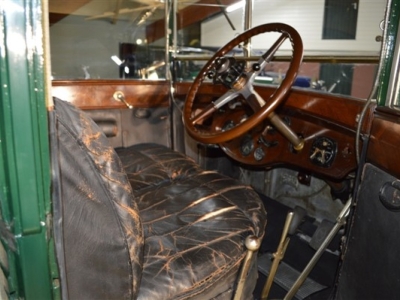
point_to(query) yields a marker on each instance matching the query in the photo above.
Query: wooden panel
(383, 148)
(340, 110)
(283, 154)
(98, 94)
(312, 114)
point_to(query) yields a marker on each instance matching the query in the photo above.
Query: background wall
(307, 17)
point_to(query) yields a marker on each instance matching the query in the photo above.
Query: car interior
(194, 159)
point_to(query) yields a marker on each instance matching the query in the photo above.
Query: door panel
(126, 127)
(371, 262)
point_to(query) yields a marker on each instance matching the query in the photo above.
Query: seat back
(100, 240)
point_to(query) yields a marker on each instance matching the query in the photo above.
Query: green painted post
(391, 42)
(24, 152)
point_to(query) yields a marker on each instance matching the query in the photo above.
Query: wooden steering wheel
(239, 81)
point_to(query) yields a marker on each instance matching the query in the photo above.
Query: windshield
(126, 39)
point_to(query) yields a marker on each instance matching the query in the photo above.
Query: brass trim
(252, 244)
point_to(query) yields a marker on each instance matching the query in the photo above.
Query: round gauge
(246, 145)
(323, 151)
(259, 154)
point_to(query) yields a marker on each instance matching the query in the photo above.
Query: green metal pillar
(394, 16)
(24, 152)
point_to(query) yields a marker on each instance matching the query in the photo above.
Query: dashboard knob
(256, 67)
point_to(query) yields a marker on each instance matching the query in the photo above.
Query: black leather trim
(103, 237)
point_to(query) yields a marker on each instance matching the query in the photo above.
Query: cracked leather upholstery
(194, 223)
(148, 223)
(101, 228)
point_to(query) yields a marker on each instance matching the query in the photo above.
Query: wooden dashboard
(99, 94)
(326, 122)
(383, 149)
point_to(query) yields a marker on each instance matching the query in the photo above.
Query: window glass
(338, 59)
(340, 19)
(101, 39)
(93, 39)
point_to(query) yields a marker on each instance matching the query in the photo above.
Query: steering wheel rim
(268, 108)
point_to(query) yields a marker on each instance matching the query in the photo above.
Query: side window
(340, 19)
(105, 39)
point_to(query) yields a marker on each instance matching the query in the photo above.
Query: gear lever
(292, 222)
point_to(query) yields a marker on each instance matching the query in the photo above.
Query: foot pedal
(321, 233)
(286, 276)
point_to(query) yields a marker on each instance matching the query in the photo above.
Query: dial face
(246, 145)
(259, 154)
(323, 151)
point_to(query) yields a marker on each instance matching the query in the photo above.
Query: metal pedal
(286, 276)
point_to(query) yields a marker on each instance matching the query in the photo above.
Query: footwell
(301, 248)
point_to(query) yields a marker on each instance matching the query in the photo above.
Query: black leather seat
(145, 222)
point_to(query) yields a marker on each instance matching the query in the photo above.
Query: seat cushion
(149, 165)
(194, 223)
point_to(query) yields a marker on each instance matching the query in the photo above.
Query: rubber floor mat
(286, 276)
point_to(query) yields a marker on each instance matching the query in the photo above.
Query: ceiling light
(234, 7)
(116, 60)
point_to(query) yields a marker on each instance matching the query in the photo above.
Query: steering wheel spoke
(213, 106)
(252, 98)
(255, 101)
(268, 55)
